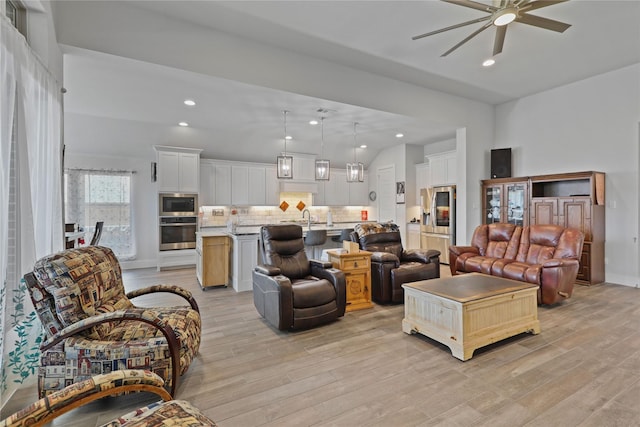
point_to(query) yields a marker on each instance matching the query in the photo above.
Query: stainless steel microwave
(177, 204)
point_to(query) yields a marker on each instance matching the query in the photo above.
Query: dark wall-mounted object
(154, 171)
(501, 163)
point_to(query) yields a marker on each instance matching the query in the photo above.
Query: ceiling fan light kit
(501, 14)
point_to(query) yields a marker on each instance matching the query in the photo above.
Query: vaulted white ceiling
(117, 104)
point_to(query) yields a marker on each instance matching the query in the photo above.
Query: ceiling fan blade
(474, 21)
(473, 5)
(537, 4)
(472, 35)
(546, 23)
(501, 31)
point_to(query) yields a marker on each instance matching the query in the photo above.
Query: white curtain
(31, 226)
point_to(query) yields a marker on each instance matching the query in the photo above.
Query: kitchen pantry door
(386, 193)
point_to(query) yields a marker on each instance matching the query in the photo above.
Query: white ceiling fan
(501, 14)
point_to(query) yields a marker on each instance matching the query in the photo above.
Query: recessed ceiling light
(183, 124)
(363, 146)
(488, 62)
(189, 102)
(288, 137)
(313, 122)
(399, 135)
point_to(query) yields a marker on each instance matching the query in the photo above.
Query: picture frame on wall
(400, 192)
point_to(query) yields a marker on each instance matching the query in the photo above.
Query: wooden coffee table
(470, 311)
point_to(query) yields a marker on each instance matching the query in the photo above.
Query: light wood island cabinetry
(212, 266)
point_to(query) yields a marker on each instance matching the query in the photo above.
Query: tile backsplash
(256, 215)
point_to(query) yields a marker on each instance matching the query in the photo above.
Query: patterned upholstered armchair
(92, 327)
(160, 414)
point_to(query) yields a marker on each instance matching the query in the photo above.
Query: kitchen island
(244, 251)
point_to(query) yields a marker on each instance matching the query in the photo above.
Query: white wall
(90, 25)
(587, 125)
(144, 195)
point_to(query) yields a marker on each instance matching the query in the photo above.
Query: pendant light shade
(355, 170)
(323, 166)
(284, 162)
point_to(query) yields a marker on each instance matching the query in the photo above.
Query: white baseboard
(139, 263)
(619, 279)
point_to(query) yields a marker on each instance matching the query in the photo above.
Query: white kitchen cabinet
(206, 195)
(240, 185)
(359, 192)
(423, 178)
(443, 168)
(244, 258)
(304, 167)
(222, 187)
(257, 186)
(178, 169)
(272, 186)
(336, 190)
(413, 236)
(248, 185)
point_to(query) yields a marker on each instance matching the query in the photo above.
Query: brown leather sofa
(290, 291)
(546, 255)
(391, 265)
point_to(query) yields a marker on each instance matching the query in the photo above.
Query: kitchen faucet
(309, 218)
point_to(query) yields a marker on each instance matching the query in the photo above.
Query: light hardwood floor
(582, 370)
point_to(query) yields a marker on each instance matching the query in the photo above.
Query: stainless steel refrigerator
(438, 226)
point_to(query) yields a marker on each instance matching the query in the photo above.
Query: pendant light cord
(285, 131)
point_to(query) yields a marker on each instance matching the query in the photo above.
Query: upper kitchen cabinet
(304, 167)
(215, 183)
(226, 183)
(248, 185)
(338, 192)
(442, 168)
(178, 169)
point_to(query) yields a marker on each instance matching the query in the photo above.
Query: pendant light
(284, 162)
(355, 170)
(322, 165)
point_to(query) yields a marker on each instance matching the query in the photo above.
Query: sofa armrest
(458, 250)
(382, 257)
(320, 264)
(173, 289)
(337, 279)
(420, 255)
(268, 270)
(89, 390)
(557, 279)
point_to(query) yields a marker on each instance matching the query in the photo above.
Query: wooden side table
(357, 270)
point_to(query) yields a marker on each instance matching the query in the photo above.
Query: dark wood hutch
(574, 200)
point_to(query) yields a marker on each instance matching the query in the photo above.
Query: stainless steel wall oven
(178, 232)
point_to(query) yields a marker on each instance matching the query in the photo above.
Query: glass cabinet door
(493, 204)
(516, 203)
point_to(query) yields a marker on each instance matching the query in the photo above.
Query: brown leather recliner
(290, 291)
(391, 265)
(546, 255)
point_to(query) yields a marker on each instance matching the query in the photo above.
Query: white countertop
(255, 229)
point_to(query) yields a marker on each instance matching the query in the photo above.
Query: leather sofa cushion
(497, 240)
(479, 264)
(312, 292)
(523, 272)
(412, 272)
